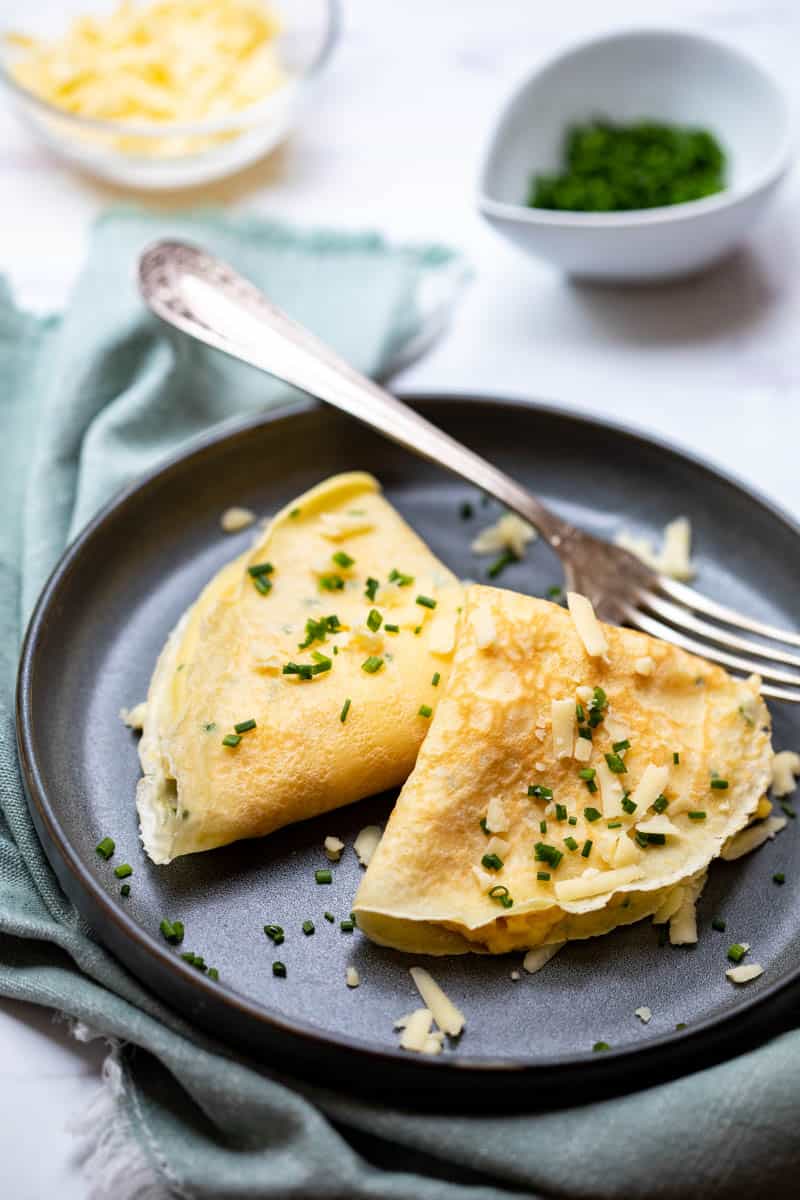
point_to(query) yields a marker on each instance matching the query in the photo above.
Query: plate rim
(455, 1066)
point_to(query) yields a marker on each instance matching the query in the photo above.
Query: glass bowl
(163, 154)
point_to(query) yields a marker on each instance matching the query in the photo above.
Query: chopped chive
(614, 825)
(265, 568)
(492, 862)
(262, 584)
(426, 601)
(347, 926)
(718, 924)
(372, 664)
(500, 563)
(123, 871)
(561, 812)
(485, 827)
(641, 840)
(591, 787)
(391, 628)
(543, 826)
(105, 848)
(660, 803)
(587, 773)
(500, 896)
(628, 805)
(233, 739)
(592, 814)
(371, 589)
(323, 875)
(125, 890)
(570, 843)
(585, 733)
(279, 970)
(580, 714)
(172, 931)
(779, 877)
(599, 1047)
(788, 810)
(654, 839)
(213, 973)
(466, 510)
(616, 764)
(210, 727)
(696, 816)
(572, 821)
(345, 710)
(308, 928)
(618, 747)
(736, 952)
(295, 512)
(424, 710)
(676, 758)
(663, 934)
(543, 875)
(417, 630)
(195, 960)
(399, 578)
(342, 559)
(719, 784)
(329, 917)
(587, 848)
(681, 1025)
(554, 592)
(374, 620)
(540, 792)
(274, 933)
(549, 854)
(245, 726)
(317, 631)
(435, 679)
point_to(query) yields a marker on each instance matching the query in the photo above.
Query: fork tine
(684, 620)
(733, 661)
(692, 599)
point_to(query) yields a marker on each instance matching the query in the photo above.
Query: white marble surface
(393, 143)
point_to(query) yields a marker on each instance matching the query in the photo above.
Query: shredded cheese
(416, 1028)
(235, 519)
(644, 1014)
(352, 977)
(562, 716)
(626, 852)
(658, 824)
(644, 665)
(449, 1018)
(134, 717)
(751, 838)
(366, 843)
(510, 532)
(167, 61)
(651, 785)
(611, 790)
(333, 848)
(587, 626)
(669, 906)
(496, 818)
(498, 846)
(336, 527)
(484, 628)
(582, 752)
(674, 558)
(683, 925)
(744, 973)
(585, 886)
(534, 960)
(785, 766)
(442, 635)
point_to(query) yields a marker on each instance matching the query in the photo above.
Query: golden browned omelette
(294, 684)
(575, 777)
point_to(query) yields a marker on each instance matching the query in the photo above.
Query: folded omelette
(560, 793)
(302, 677)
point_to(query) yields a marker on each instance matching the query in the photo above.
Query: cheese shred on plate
(162, 62)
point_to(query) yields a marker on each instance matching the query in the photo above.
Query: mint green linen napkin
(89, 401)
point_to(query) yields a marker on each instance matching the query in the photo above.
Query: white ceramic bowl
(669, 76)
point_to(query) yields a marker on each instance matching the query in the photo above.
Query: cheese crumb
(333, 848)
(562, 716)
(584, 693)
(416, 1029)
(484, 628)
(442, 635)
(785, 766)
(582, 752)
(134, 717)
(338, 526)
(366, 843)
(744, 973)
(234, 519)
(510, 532)
(515, 975)
(498, 846)
(352, 977)
(674, 559)
(644, 665)
(751, 838)
(449, 1018)
(496, 817)
(587, 626)
(535, 959)
(644, 1014)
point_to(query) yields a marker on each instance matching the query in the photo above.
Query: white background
(393, 143)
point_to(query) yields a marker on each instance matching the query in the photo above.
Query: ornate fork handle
(205, 297)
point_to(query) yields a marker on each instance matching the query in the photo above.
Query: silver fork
(206, 298)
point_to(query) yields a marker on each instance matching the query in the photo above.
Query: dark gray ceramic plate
(90, 650)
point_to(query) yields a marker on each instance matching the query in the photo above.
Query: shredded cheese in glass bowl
(163, 93)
